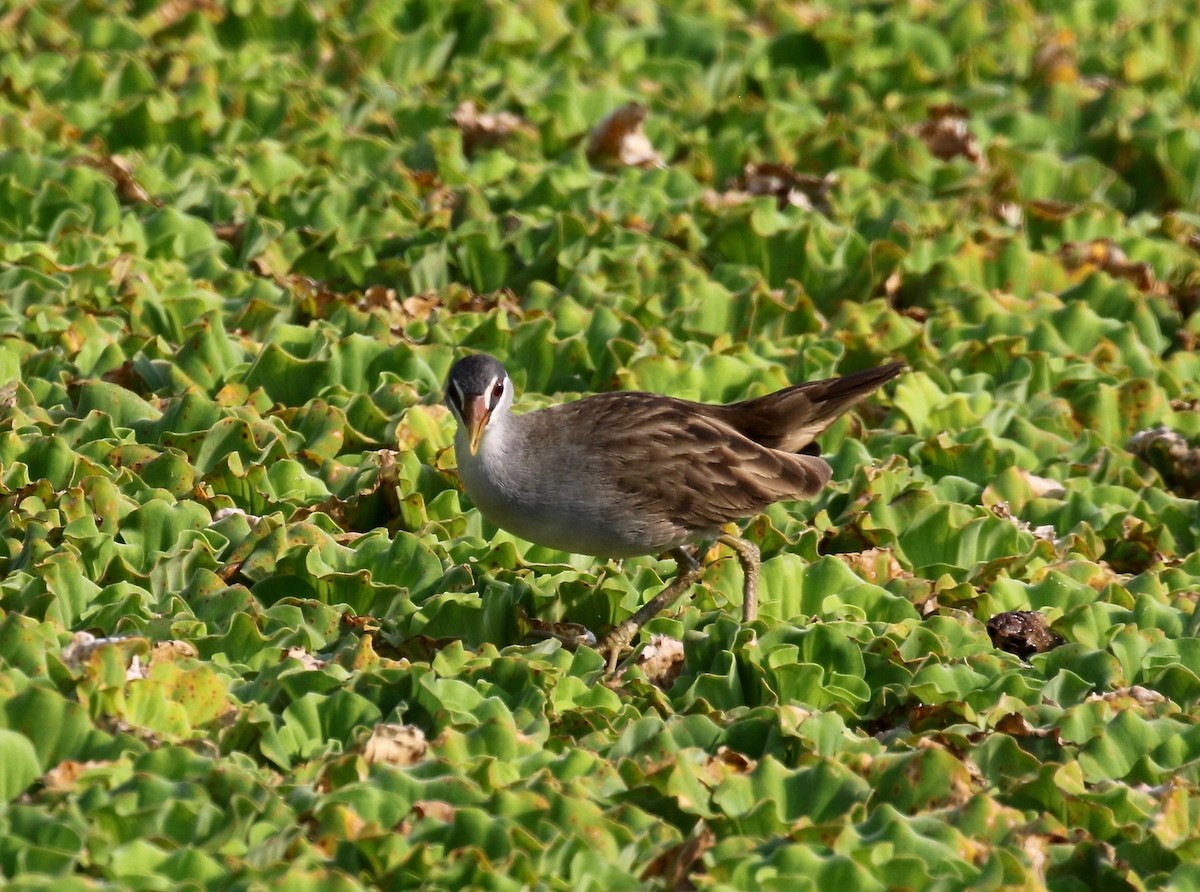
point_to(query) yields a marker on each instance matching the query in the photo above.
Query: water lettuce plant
(251, 632)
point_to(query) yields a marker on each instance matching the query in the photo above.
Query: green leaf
(20, 764)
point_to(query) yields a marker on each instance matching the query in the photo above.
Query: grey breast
(548, 477)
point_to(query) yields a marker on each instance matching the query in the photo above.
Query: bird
(629, 473)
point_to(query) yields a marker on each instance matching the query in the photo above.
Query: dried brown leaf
(233, 511)
(395, 744)
(1036, 847)
(788, 187)
(893, 283)
(1140, 695)
(928, 606)
(1016, 725)
(1004, 512)
(1185, 295)
(1042, 487)
(807, 15)
(170, 651)
(84, 644)
(120, 171)
(947, 136)
(733, 760)
(230, 233)
(434, 808)
(262, 268)
(1104, 255)
(466, 301)
(137, 670)
(619, 139)
(875, 565)
(361, 622)
(483, 130)
(124, 376)
(1051, 209)
(675, 866)
(1054, 61)
(661, 660)
(12, 19)
(66, 773)
(1169, 452)
(421, 306)
(1010, 213)
(171, 12)
(316, 299)
(296, 652)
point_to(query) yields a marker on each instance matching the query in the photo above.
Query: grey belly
(582, 528)
(568, 503)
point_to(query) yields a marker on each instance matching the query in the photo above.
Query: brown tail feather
(790, 419)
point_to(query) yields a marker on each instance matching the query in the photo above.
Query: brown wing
(791, 418)
(675, 461)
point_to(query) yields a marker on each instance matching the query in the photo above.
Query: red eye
(497, 392)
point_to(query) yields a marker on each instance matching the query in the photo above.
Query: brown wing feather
(674, 460)
(792, 418)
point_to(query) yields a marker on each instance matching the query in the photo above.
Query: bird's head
(478, 389)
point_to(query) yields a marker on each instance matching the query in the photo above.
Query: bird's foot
(615, 643)
(619, 639)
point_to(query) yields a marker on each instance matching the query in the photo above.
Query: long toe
(615, 643)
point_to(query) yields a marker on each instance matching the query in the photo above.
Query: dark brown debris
(1185, 295)
(485, 130)
(676, 865)
(1016, 725)
(620, 140)
(1054, 62)
(875, 565)
(1105, 256)
(467, 301)
(946, 135)
(376, 504)
(170, 13)
(1168, 452)
(395, 744)
(661, 661)
(1022, 632)
(788, 187)
(125, 376)
(120, 171)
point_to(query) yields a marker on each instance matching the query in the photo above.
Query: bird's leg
(750, 558)
(689, 570)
